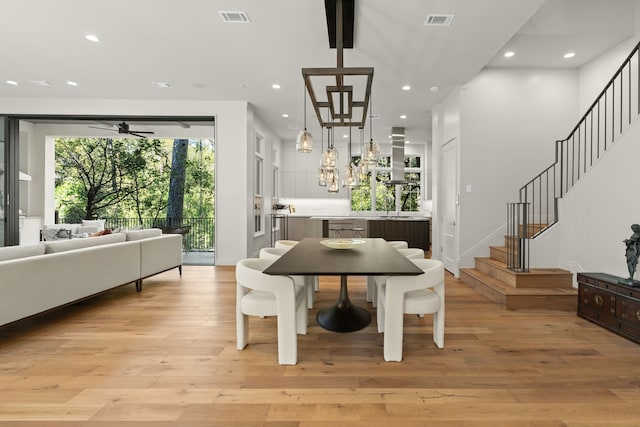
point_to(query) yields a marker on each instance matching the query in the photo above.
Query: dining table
(363, 257)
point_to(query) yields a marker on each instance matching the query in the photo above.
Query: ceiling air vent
(234, 17)
(439, 20)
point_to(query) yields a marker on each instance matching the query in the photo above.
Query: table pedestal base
(343, 316)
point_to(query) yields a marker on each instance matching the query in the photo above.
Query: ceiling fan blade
(142, 131)
(96, 127)
(137, 134)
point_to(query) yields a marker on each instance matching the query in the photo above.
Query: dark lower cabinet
(415, 233)
(612, 305)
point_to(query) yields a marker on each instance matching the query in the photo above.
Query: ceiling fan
(123, 128)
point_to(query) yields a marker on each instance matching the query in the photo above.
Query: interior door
(449, 206)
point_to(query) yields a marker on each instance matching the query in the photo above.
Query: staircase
(539, 288)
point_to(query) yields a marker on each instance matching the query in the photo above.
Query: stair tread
(507, 289)
(532, 272)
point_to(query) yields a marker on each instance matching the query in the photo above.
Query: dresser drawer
(628, 310)
(598, 300)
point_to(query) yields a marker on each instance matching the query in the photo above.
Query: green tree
(175, 201)
(97, 176)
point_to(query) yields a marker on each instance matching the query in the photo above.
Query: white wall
(509, 122)
(596, 214)
(232, 236)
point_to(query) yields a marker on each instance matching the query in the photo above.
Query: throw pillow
(94, 222)
(55, 234)
(101, 233)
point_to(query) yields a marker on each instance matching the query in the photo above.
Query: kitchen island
(415, 230)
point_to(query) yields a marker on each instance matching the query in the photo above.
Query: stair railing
(617, 105)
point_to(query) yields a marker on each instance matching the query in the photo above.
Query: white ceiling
(186, 44)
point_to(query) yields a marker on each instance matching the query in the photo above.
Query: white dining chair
(309, 282)
(412, 253)
(398, 244)
(259, 294)
(421, 294)
(373, 283)
(285, 244)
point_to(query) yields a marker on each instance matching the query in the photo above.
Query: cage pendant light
(333, 174)
(330, 156)
(304, 142)
(322, 172)
(350, 177)
(372, 149)
(363, 167)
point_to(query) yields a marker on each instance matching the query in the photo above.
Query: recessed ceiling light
(509, 54)
(434, 89)
(70, 83)
(41, 83)
(345, 136)
(12, 82)
(242, 85)
(406, 87)
(407, 142)
(163, 85)
(285, 115)
(403, 116)
(275, 86)
(92, 38)
(569, 55)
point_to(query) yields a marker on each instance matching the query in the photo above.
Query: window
(258, 187)
(375, 195)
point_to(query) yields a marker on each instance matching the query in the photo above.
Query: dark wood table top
(374, 257)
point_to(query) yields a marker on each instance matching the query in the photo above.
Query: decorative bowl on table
(342, 243)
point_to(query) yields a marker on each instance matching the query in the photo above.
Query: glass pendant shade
(322, 177)
(304, 142)
(350, 177)
(363, 170)
(330, 158)
(371, 153)
(332, 181)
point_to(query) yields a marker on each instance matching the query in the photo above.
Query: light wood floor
(167, 357)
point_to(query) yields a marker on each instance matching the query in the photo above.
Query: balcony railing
(199, 237)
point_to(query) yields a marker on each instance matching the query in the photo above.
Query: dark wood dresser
(611, 305)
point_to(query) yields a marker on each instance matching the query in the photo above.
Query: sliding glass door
(9, 220)
(3, 168)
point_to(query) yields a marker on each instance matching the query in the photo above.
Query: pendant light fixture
(372, 149)
(363, 167)
(330, 156)
(332, 181)
(350, 177)
(304, 142)
(322, 172)
(333, 174)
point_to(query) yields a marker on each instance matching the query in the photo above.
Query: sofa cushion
(142, 234)
(68, 245)
(55, 234)
(72, 227)
(15, 252)
(88, 229)
(94, 222)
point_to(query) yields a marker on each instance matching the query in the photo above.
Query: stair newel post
(523, 240)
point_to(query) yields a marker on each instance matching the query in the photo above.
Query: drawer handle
(638, 314)
(598, 300)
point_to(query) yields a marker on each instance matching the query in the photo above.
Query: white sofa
(43, 276)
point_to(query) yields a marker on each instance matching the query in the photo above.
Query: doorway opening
(134, 168)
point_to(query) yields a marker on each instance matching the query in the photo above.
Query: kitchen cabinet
(414, 232)
(301, 227)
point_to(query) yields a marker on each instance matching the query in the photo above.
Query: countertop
(373, 218)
